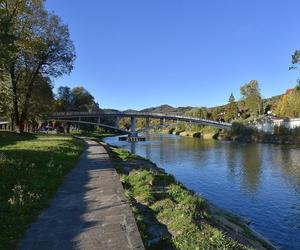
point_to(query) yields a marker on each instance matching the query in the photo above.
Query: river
(257, 181)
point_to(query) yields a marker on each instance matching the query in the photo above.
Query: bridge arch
(70, 116)
(123, 131)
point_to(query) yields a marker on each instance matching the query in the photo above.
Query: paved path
(89, 211)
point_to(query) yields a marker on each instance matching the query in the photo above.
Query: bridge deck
(188, 119)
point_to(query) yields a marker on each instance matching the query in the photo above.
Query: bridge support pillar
(147, 122)
(161, 121)
(117, 122)
(98, 120)
(132, 126)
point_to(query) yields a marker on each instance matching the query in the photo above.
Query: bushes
(280, 135)
(283, 131)
(239, 129)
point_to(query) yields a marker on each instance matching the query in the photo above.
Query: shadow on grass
(28, 178)
(76, 216)
(11, 138)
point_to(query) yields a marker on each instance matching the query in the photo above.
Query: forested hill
(229, 110)
(167, 109)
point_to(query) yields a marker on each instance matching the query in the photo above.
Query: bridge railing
(139, 114)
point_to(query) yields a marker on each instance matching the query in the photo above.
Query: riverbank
(204, 132)
(241, 134)
(32, 167)
(171, 217)
(244, 134)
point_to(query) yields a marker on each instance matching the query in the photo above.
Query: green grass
(185, 215)
(93, 135)
(32, 167)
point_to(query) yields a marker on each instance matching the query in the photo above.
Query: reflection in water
(291, 168)
(251, 164)
(232, 156)
(132, 147)
(148, 151)
(261, 182)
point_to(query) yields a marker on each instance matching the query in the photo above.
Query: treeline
(289, 104)
(35, 47)
(252, 105)
(76, 99)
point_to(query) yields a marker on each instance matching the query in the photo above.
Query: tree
(197, 112)
(295, 60)
(231, 98)
(252, 98)
(6, 97)
(64, 100)
(296, 64)
(83, 100)
(231, 109)
(289, 104)
(76, 99)
(41, 101)
(37, 45)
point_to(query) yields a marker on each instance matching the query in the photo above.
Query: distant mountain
(110, 110)
(130, 110)
(167, 109)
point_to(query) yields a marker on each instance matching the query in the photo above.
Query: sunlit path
(89, 210)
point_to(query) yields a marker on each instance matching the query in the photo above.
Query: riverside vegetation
(32, 168)
(239, 133)
(169, 216)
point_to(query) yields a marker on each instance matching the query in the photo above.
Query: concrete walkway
(89, 211)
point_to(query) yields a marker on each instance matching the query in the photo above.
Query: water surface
(257, 181)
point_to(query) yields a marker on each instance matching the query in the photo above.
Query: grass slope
(185, 215)
(32, 167)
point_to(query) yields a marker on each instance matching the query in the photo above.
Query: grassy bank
(171, 217)
(204, 132)
(31, 169)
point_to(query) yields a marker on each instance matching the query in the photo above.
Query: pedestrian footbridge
(94, 118)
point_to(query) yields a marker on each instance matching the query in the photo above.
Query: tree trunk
(24, 114)
(68, 128)
(27, 99)
(14, 83)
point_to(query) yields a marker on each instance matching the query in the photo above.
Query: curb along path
(89, 211)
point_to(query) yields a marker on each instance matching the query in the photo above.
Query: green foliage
(231, 98)
(283, 131)
(34, 44)
(197, 112)
(289, 104)
(252, 99)
(6, 96)
(40, 104)
(31, 169)
(76, 99)
(295, 59)
(141, 182)
(231, 109)
(185, 215)
(239, 129)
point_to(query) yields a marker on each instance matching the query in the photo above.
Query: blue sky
(143, 53)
